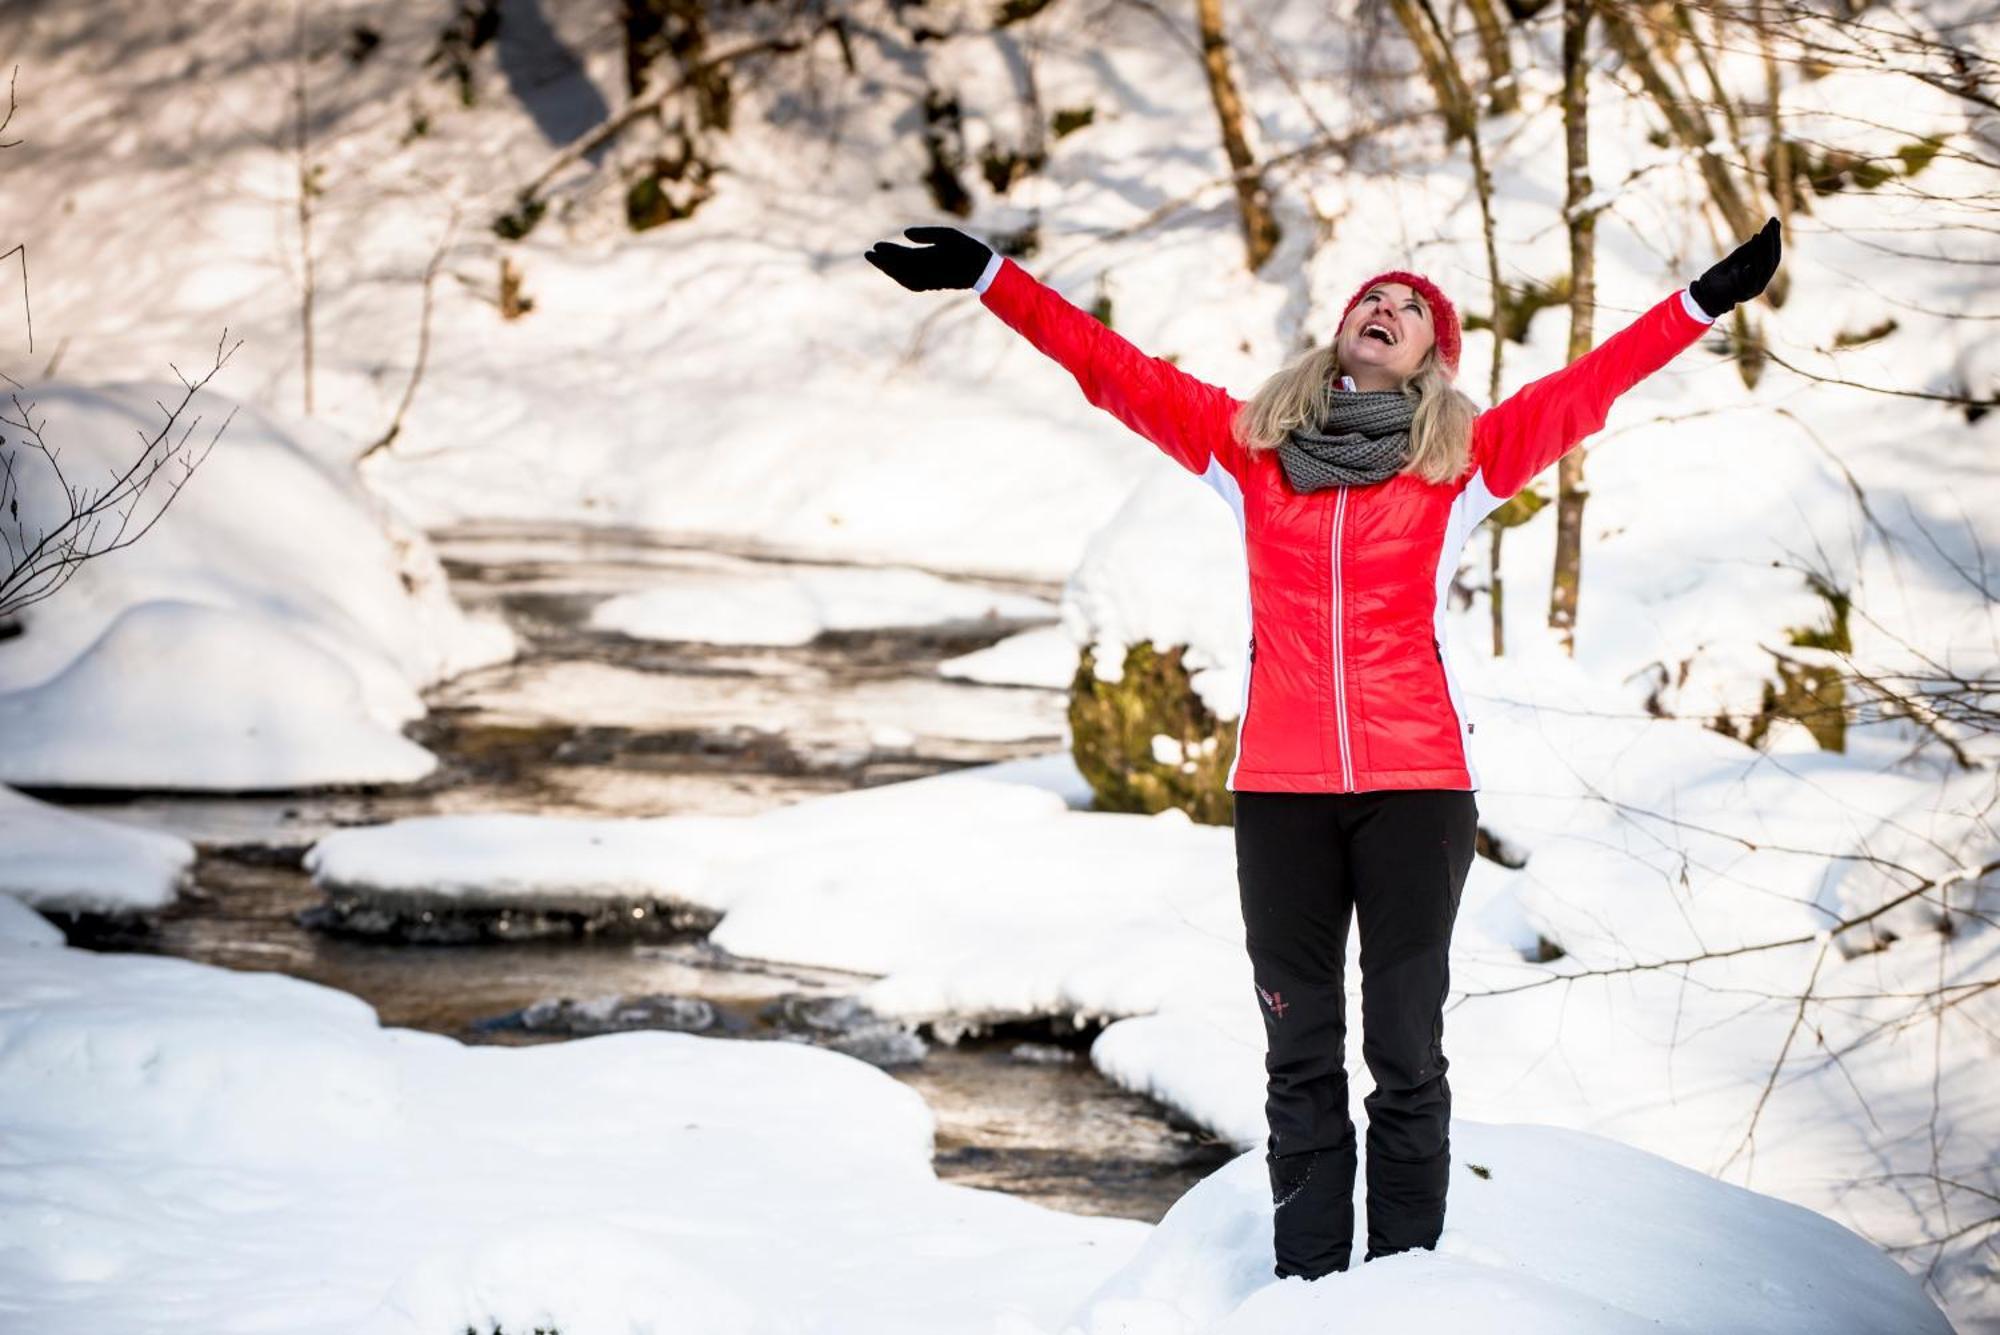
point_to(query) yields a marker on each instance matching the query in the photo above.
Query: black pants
(1398, 859)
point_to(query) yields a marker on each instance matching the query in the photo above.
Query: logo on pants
(1275, 1001)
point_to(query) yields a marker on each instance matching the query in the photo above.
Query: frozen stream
(591, 723)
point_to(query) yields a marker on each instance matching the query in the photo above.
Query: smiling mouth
(1379, 334)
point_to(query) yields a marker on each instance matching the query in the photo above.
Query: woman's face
(1385, 337)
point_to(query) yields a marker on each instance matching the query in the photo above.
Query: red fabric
(1350, 686)
(1444, 315)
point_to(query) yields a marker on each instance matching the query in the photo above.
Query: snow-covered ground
(271, 630)
(190, 1148)
(744, 374)
(1693, 910)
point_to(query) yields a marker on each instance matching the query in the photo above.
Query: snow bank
(750, 606)
(1532, 1246)
(62, 860)
(260, 1148)
(990, 894)
(1043, 657)
(271, 630)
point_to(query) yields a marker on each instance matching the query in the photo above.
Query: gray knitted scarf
(1364, 438)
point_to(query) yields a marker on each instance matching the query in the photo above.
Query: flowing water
(586, 722)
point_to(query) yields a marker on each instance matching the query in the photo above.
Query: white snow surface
(271, 630)
(1044, 657)
(739, 606)
(987, 894)
(260, 1148)
(55, 858)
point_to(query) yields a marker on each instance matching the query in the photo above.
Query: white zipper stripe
(1339, 660)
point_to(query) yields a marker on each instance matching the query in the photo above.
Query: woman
(1355, 474)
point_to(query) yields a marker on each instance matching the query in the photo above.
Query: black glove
(1739, 275)
(953, 259)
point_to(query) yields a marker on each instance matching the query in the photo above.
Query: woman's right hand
(950, 260)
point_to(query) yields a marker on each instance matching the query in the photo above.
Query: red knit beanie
(1444, 316)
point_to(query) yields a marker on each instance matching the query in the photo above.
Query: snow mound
(272, 628)
(1562, 1232)
(176, 695)
(64, 861)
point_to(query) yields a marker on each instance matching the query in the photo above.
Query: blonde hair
(1301, 393)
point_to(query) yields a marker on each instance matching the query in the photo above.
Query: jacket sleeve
(1186, 418)
(1543, 420)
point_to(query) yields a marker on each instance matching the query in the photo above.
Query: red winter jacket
(1348, 687)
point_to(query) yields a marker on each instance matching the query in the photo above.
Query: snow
(57, 859)
(1681, 1252)
(177, 694)
(1043, 657)
(260, 1147)
(22, 926)
(262, 1150)
(271, 630)
(795, 607)
(986, 895)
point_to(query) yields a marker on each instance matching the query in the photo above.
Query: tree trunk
(1779, 158)
(1452, 98)
(308, 187)
(1260, 229)
(1452, 80)
(1685, 122)
(1503, 94)
(1581, 216)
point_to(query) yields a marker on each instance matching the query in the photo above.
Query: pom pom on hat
(1444, 316)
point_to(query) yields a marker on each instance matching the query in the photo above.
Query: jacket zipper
(1339, 659)
(1249, 689)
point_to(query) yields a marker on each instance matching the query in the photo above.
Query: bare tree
(21, 247)
(1580, 212)
(1503, 92)
(43, 550)
(1260, 229)
(308, 185)
(1440, 67)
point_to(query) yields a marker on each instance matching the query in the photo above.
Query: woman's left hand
(1739, 275)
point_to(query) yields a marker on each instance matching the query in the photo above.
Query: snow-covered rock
(272, 629)
(63, 860)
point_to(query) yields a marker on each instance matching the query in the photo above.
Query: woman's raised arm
(1187, 418)
(1544, 419)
